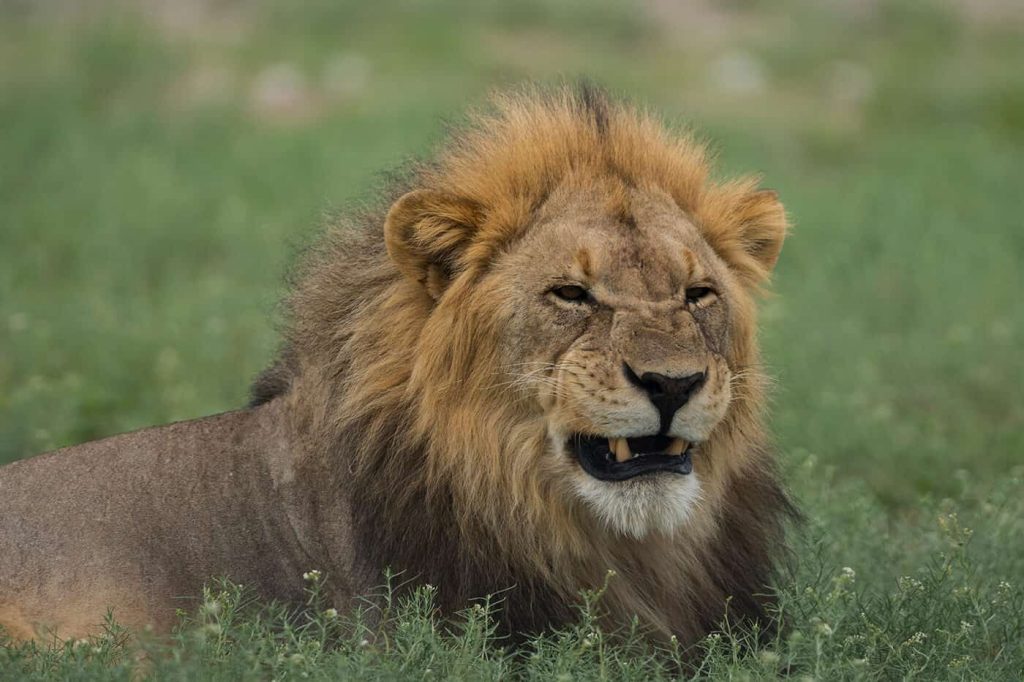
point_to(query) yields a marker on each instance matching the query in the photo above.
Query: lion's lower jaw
(641, 506)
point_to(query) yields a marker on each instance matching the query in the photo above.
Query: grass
(159, 168)
(950, 616)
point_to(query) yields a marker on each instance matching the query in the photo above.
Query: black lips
(598, 460)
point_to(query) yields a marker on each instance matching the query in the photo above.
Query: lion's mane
(397, 403)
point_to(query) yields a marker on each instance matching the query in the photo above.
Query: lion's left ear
(425, 233)
(762, 226)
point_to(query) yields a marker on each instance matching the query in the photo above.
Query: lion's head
(544, 354)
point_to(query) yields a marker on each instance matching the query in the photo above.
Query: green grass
(150, 205)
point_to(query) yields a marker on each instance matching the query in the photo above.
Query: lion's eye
(699, 294)
(571, 292)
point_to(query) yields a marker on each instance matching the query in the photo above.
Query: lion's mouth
(620, 459)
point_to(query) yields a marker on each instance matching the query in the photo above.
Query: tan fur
(427, 378)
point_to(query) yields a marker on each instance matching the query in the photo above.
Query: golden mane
(401, 401)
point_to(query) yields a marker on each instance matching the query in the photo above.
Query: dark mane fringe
(593, 104)
(744, 562)
(422, 542)
(273, 381)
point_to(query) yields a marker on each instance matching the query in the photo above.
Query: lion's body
(139, 522)
(388, 435)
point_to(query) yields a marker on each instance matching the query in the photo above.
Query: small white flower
(960, 661)
(331, 613)
(916, 638)
(909, 584)
(311, 576)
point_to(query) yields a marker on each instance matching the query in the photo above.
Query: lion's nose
(667, 393)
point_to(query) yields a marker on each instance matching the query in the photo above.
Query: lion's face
(587, 300)
(618, 334)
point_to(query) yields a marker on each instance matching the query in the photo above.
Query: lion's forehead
(648, 252)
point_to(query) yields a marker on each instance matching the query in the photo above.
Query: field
(162, 162)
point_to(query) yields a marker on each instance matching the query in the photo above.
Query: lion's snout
(668, 393)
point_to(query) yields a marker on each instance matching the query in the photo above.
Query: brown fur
(397, 439)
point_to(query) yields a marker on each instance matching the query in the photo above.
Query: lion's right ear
(763, 227)
(425, 233)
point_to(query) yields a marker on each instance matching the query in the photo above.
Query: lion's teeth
(621, 449)
(676, 447)
(620, 446)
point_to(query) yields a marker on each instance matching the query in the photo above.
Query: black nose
(667, 393)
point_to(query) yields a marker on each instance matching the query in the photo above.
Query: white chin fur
(637, 507)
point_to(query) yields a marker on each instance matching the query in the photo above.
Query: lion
(534, 365)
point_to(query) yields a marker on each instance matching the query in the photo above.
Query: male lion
(538, 365)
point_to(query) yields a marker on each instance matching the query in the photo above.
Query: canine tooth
(621, 449)
(676, 447)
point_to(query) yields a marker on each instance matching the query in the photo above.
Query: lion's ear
(425, 232)
(763, 227)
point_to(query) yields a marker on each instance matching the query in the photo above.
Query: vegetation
(160, 165)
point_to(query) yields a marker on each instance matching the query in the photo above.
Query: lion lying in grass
(538, 365)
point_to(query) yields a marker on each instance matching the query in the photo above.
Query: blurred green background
(162, 161)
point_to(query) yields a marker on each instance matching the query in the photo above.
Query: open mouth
(620, 459)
